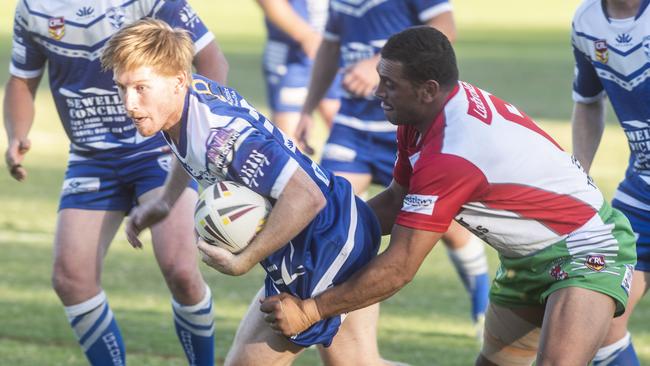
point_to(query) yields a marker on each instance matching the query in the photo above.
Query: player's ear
(428, 91)
(182, 80)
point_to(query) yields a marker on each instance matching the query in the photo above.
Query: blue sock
(195, 330)
(471, 264)
(97, 332)
(619, 353)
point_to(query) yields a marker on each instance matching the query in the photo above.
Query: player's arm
(382, 277)
(298, 204)
(282, 15)
(588, 124)
(148, 214)
(211, 63)
(444, 22)
(386, 205)
(322, 75)
(18, 117)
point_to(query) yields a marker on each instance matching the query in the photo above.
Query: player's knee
(184, 282)
(66, 282)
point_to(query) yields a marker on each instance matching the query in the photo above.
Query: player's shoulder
(586, 12)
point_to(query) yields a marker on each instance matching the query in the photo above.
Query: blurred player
(362, 146)
(294, 31)
(111, 167)
(611, 43)
(317, 234)
(566, 255)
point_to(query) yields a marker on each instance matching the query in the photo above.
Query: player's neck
(622, 9)
(174, 125)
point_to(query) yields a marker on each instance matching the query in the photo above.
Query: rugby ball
(229, 215)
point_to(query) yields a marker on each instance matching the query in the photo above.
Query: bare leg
(256, 344)
(576, 321)
(81, 242)
(327, 109)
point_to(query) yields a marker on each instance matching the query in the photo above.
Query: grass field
(520, 54)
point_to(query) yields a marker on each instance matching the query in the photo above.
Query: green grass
(520, 55)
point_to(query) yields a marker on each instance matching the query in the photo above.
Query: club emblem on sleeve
(56, 27)
(595, 262)
(602, 54)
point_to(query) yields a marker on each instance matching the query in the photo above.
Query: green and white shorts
(602, 261)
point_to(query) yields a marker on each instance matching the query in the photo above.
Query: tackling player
(611, 43)
(111, 167)
(317, 234)
(362, 146)
(566, 255)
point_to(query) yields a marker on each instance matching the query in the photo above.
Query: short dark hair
(425, 54)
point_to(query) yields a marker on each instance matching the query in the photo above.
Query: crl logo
(623, 38)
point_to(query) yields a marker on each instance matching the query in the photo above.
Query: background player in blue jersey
(611, 44)
(294, 32)
(362, 144)
(111, 167)
(318, 232)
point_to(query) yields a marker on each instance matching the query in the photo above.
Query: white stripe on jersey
(630, 201)
(327, 278)
(434, 11)
(287, 172)
(370, 126)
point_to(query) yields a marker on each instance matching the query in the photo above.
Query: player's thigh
(81, 241)
(511, 335)
(576, 321)
(356, 341)
(256, 344)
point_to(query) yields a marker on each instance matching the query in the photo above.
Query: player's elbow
(317, 201)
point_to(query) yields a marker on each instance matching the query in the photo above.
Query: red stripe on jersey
(559, 212)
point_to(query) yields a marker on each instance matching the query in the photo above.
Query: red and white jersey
(489, 166)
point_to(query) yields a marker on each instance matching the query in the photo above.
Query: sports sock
(619, 353)
(195, 329)
(97, 332)
(471, 264)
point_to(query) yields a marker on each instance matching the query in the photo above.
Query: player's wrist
(311, 310)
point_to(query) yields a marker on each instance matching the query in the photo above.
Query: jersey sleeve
(332, 30)
(429, 9)
(27, 57)
(180, 14)
(587, 87)
(262, 163)
(438, 187)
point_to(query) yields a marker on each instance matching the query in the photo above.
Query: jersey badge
(602, 54)
(595, 262)
(115, 16)
(56, 27)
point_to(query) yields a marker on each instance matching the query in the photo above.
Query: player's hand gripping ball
(229, 215)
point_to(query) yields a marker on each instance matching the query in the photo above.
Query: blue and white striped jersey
(362, 27)
(69, 37)
(613, 58)
(224, 138)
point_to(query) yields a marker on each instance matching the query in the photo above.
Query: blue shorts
(640, 220)
(113, 184)
(318, 259)
(287, 78)
(349, 150)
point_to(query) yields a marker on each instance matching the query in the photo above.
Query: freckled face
(153, 101)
